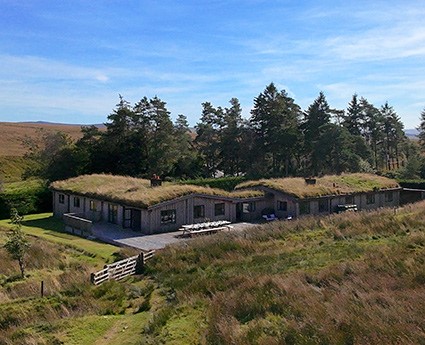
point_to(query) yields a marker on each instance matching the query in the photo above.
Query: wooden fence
(121, 269)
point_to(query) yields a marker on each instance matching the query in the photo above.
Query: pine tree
(231, 146)
(207, 138)
(353, 119)
(394, 136)
(275, 120)
(317, 116)
(187, 164)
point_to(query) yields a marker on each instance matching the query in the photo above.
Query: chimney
(155, 181)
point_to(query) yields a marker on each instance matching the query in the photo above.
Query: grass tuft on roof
(137, 192)
(327, 185)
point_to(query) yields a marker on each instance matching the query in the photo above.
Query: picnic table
(205, 228)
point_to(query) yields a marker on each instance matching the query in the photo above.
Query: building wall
(184, 213)
(59, 209)
(256, 214)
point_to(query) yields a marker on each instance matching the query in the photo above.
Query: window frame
(92, 206)
(221, 207)
(248, 207)
(198, 214)
(325, 203)
(389, 196)
(113, 213)
(168, 216)
(304, 207)
(61, 198)
(77, 202)
(370, 199)
(282, 206)
(349, 200)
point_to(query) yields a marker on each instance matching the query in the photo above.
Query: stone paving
(113, 234)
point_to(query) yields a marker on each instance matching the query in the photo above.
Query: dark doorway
(132, 219)
(239, 212)
(136, 221)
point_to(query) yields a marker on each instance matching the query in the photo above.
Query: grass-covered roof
(327, 185)
(137, 192)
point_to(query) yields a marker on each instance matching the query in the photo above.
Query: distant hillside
(12, 150)
(13, 133)
(412, 133)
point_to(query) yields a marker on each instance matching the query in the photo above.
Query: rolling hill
(12, 134)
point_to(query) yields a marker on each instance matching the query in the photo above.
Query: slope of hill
(344, 279)
(13, 133)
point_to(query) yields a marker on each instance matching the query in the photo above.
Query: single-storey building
(151, 207)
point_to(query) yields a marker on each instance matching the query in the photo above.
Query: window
(389, 196)
(199, 211)
(219, 209)
(76, 201)
(127, 218)
(248, 207)
(305, 207)
(282, 205)
(61, 199)
(113, 213)
(349, 200)
(324, 205)
(168, 217)
(370, 199)
(93, 205)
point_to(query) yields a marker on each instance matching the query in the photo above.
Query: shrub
(27, 197)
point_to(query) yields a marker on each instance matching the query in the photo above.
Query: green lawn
(50, 228)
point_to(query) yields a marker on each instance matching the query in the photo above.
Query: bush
(414, 184)
(27, 197)
(225, 183)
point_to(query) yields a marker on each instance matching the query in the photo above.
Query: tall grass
(343, 279)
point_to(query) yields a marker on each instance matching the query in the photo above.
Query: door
(136, 221)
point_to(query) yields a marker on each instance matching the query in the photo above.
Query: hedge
(27, 197)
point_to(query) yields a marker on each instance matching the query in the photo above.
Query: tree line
(279, 139)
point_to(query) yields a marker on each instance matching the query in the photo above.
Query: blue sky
(67, 61)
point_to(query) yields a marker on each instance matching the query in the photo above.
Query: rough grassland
(12, 168)
(344, 279)
(12, 134)
(355, 278)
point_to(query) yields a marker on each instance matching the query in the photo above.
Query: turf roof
(137, 192)
(327, 185)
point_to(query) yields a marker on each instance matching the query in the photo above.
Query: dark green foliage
(17, 243)
(225, 183)
(279, 139)
(26, 197)
(275, 123)
(414, 184)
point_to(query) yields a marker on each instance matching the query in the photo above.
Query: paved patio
(116, 235)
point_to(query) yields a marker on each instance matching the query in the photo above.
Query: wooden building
(150, 208)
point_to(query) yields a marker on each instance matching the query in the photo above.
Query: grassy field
(355, 278)
(12, 150)
(12, 134)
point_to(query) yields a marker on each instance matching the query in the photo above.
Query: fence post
(140, 264)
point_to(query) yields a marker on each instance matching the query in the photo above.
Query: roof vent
(156, 181)
(310, 181)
